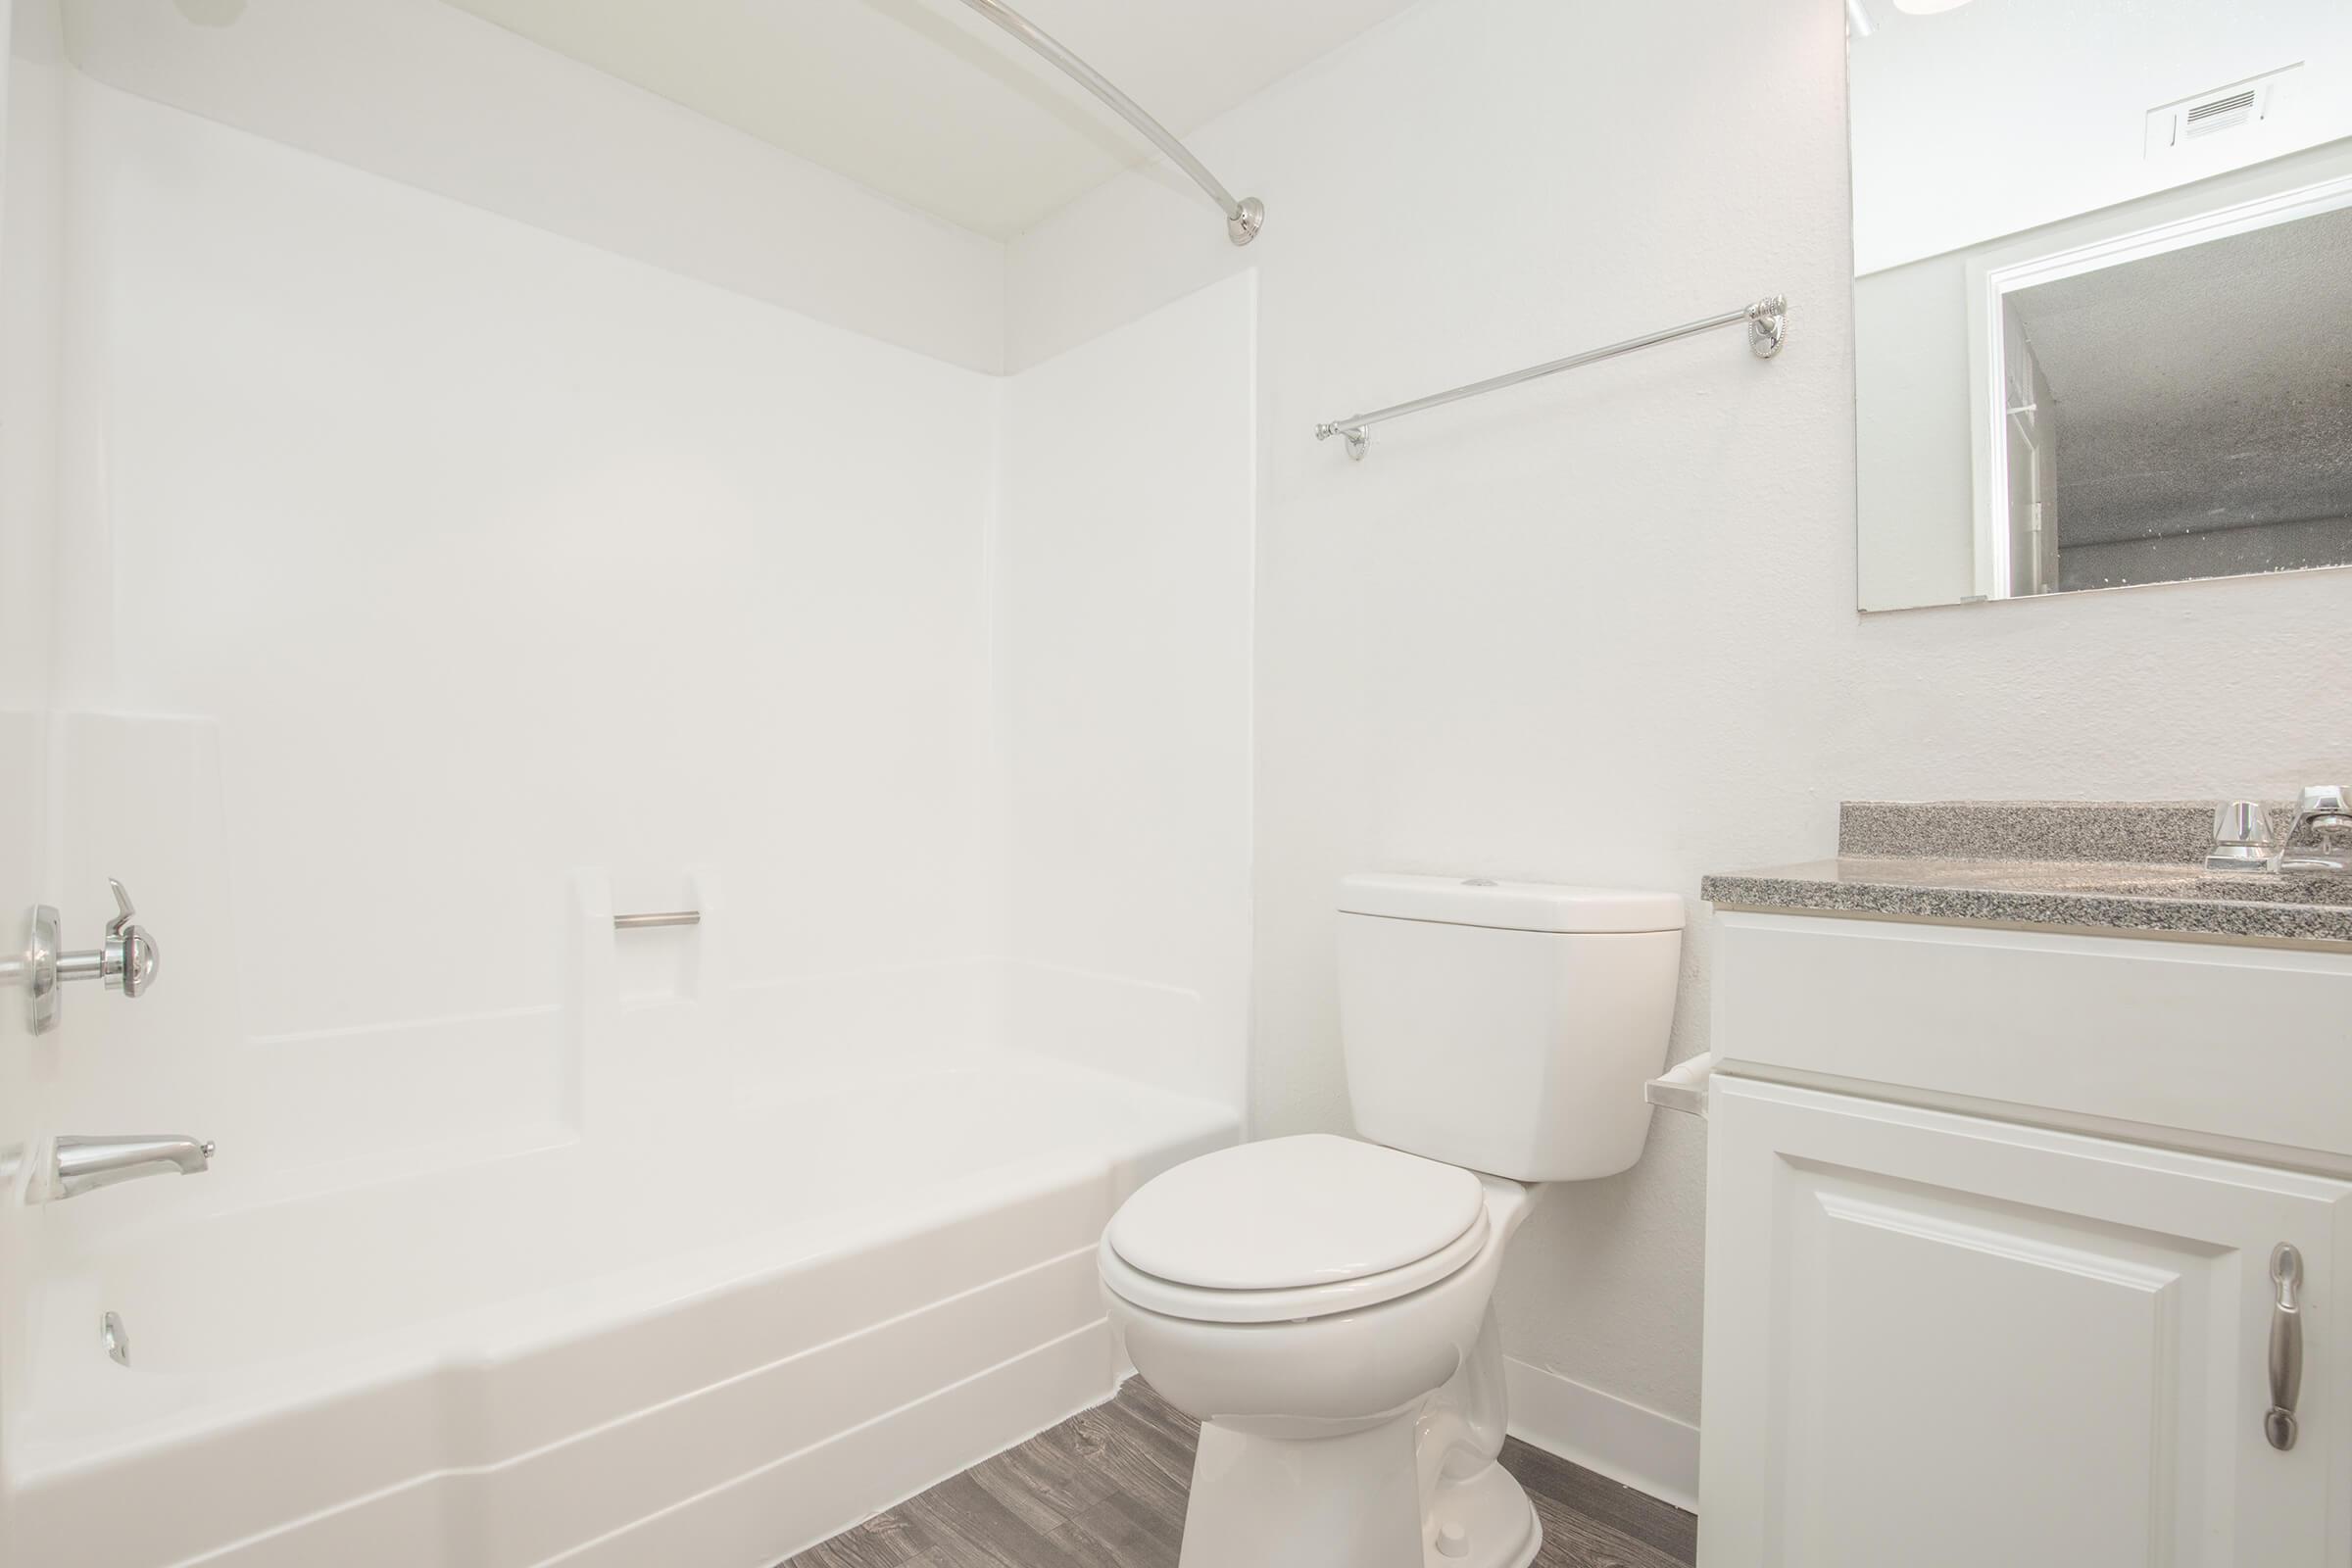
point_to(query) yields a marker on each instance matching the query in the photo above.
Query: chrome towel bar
(1766, 328)
(639, 922)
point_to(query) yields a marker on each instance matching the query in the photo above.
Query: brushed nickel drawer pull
(2286, 1346)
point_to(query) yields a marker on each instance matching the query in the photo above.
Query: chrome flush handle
(2286, 1346)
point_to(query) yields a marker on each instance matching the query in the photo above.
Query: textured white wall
(1602, 629)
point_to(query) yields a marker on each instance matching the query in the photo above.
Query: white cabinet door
(1940, 1341)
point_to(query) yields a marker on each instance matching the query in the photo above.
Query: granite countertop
(2098, 866)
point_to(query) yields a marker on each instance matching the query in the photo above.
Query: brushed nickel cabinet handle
(2286, 1346)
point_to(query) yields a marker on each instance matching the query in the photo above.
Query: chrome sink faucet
(83, 1164)
(2323, 826)
(2319, 839)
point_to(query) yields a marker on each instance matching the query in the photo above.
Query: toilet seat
(1196, 1305)
(1291, 1228)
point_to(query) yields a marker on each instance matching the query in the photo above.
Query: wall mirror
(2102, 292)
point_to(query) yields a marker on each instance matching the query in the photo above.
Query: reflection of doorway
(2027, 561)
(2206, 418)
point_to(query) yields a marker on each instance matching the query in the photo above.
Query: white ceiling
(928, 102)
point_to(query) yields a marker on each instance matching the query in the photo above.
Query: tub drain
(112, 1335)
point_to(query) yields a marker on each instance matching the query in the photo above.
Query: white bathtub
(711, 1342)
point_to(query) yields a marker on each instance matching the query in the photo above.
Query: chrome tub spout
(84, 1163)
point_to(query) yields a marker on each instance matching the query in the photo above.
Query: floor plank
(1121, 1532)
(886, 1540)
(1044, 1483)
(1106, 1489)
(971, 1529)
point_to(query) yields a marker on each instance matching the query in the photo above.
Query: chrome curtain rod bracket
(641, 922)
(1767, 329)
(1243, 218)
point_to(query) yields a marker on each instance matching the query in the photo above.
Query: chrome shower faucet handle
(126, 961)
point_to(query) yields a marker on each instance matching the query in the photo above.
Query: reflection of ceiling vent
(2217, 113)
(2220, 113)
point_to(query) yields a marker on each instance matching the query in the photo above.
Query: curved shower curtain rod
(1243, 219)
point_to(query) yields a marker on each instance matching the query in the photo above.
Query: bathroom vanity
(2030, 1198)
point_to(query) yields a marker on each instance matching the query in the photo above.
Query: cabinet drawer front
(1934, 1339)
(2174, 1035)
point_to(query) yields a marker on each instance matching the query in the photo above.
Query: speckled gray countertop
(2081, 864)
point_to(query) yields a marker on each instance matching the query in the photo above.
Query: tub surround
(529, 1239)
(579, 1354)
(2088, 865)
(700, 1268)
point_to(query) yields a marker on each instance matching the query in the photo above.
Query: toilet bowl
(1323, 1305)
(1347, 1423)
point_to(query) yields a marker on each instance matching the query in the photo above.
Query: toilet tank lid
(1510, 906)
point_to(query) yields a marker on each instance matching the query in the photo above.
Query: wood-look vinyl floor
(1105, 1489)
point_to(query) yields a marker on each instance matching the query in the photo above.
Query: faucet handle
(2241, 837)
(2241, 822)
(126, 961)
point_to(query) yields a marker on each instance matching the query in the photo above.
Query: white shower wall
(1124, 574)
(419, 562)
(31, 286)
(493, 555)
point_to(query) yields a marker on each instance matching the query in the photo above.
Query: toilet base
(1417, 1487)
(1349, 1502)
(1475, 1513)
(1344, 1501)
(1497, 1523)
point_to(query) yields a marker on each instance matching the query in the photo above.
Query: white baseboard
(1647, 1452)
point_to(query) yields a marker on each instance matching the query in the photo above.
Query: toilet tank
(1506, 1026)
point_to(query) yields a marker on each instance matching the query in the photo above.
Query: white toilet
(1321, 1304)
